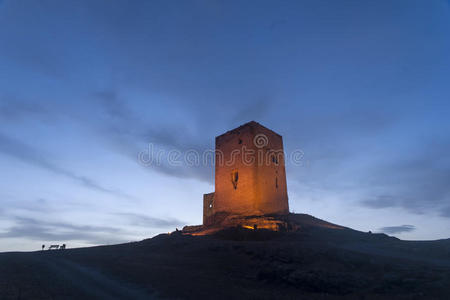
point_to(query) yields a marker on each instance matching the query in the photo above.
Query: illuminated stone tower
(250, 176)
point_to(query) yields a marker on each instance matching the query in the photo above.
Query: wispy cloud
(42, 229)
(113, 105)
(13, 109)
(253, 110)
(381, 201)
(398, 229)
(148, 221)
(39, 230)
(417, 182)
(131, 135)
(27, 154)
(446, 212)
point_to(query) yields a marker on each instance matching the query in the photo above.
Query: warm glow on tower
(250, 176)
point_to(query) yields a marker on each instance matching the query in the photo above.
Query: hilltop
(320, 260)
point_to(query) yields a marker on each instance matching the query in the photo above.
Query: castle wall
(239, 199)
(271, 187)
(208, 208)
(250, 180)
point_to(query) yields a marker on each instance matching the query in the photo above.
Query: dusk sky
(362, 88)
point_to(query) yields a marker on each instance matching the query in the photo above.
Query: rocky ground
(316, 262)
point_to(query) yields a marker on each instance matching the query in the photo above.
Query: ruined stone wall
(208, 208)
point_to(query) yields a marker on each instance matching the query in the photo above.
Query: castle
(250, 176)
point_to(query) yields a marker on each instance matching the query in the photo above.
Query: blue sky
(361, 87)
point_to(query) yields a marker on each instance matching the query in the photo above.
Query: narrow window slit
(234, 178)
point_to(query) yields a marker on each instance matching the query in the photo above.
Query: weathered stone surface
(250, 176)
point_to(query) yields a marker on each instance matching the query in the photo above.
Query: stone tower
(250, 176)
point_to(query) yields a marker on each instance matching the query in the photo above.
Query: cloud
(40, 230)
(252, 110)
(27, 154)
(164, 142)
(43, 230)
(13, 109)
(381, 201)
(445, 212)
(398, 229)
(126, 123)
(418, 181)
(131, 136)
(147, 221)
(40, 205)
(59, 231)
(113, 105)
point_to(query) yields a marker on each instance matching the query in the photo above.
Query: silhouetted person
(63, 247)
(43, 246)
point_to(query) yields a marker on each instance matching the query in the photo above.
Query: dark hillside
(318, 262)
